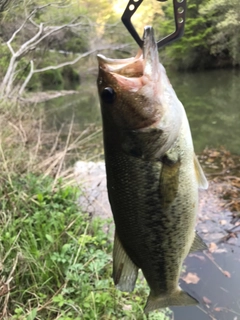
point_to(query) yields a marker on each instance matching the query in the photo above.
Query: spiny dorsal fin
(202, 181)
(198, 244)
(125, 272)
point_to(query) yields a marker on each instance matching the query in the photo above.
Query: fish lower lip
(148, 33)
(149, 41)
(150, 54)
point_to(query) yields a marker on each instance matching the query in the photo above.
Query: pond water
(212, 103)
(211, 100)
(218, 294)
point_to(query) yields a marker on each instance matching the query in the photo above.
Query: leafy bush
(191, 51)
(51, 79)
(75, 42)
(70, 76)
(56, 263)
(4, 58)
(224, 43)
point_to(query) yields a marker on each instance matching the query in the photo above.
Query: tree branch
(61, 65)
(21, 90)
(21, 26)
(41, 32)
(4, 5)
(52, 4)
(53, 30)
(67, 63)
(29, 42)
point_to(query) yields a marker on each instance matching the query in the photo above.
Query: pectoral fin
(202, 181)
(198, 244)
(125, 272)
(169, 179)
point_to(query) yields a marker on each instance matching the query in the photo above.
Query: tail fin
(178, 298)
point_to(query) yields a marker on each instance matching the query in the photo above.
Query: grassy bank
(55, 262)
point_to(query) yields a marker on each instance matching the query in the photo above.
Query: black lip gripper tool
(179, 6)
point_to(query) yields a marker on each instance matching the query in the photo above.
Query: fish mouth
(137, 71)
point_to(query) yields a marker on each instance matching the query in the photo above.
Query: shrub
(51, 79)
(56, 263)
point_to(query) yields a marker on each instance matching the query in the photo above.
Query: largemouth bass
(153, 175)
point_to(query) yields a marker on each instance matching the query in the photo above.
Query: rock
(91, 176)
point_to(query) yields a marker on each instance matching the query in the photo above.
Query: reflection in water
(218, 294)
(211, 100)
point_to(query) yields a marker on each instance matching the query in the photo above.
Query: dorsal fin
(202, 181)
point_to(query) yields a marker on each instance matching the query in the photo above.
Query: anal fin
(198, 244)
(125, 272)
(177, 298)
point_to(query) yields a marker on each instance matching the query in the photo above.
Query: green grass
(55, 263)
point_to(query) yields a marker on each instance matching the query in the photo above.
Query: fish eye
(108, 95)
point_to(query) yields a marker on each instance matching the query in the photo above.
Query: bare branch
(61, 6)
(27, 78)
(34, 23)
(4, 4)
(22, 25)
(10, 48)
(61, 65)
(71, 24)
(29, 42)
(30, 15)
(9, 84)
(53, 30)
(52, 4)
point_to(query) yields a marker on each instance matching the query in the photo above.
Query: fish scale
(137, 223)
(153, 175)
